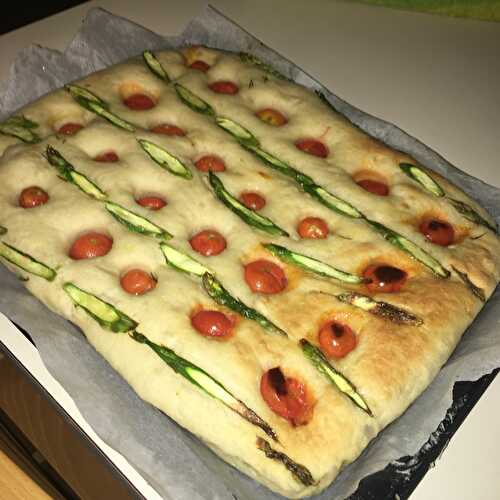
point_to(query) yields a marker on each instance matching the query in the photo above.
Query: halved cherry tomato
(438, 232)
(151, 202)
(70, 128)
(382, 278)
(224, 87)
(264, 276)
(33, 196)
(208, 242)
(313, 228)
(137, 282)
(312, 147)
(139, 102)
(200, 65)
(272, 117)
(253, 201)
(210, 163)
(287, 397)
(336, 339)
(212, 324)
(90, 245)
(374, 187)
(167, 129)
(107, 157)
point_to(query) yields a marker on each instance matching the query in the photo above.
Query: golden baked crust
(392, 363)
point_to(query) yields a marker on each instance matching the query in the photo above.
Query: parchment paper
(175, 463)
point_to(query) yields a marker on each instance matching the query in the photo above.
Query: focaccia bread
(276, 281)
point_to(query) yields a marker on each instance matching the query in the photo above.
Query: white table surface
(437, 78)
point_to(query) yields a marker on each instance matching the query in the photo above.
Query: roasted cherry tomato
(139, 102)
(137, 282)
(264, 276)
(313, 228)
(107, 157)
(151, 202)
(336, 339)
(210, 163)
(208, 242)
(167, 129)
(90, 245)
(70, 128)
(200, 65)
(272, 117)
(312, 147)
(253, 201)
(374, 187)
(438, 232)
(212, 324)
(286, 396)
(382, 278)
(33, 196)
(224, 87)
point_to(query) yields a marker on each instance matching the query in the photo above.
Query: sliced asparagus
(166, 160)
(423, 178)
(321, 363)
(218, 293)
(135, 222)
(183, 262)
(331, 201)
(100, 110)
(201, 379)
(193, 101)
(250, 58)
(79, 92)
(243, 135)
(478, 292)
(155, 66)
(410, 248)
(311, 264)
(247, 215)
(470, 214)
(68, 173)
(26, 262)
(21, 128)
(379, 308)
(108, 316)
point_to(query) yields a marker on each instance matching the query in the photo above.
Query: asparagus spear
(201, 379)
(193, 101)
(79, 92)
(69, 174)
(331, 201)
(218, 293)
(100, 110)
(478, 292)
(26, 262)
(108, 316)
(21, 128)
(243, 136)
(166, 160)
(311, 264)
(319, 360)
(250, 58)
(135, 222)
(155, 66)
(182, 262)
(470, 214)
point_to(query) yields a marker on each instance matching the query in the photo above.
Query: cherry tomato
(208, 242)
(137, 282)
(212, 324)
(90, 245)
(210, 163)
(374, 187)
(382, 278)
(272, 117)
(312, 147)
(200, 65)
(313, 228)
(264, 276)
(70, 128)
(107, 157)
(438, 232)
(336, 339)
(139, 102)
(167, 129)
(287, 397)
(33, 196)
(224, 87)
(253, 201)
(151, 202)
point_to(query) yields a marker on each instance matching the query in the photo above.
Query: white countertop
(436, 78)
